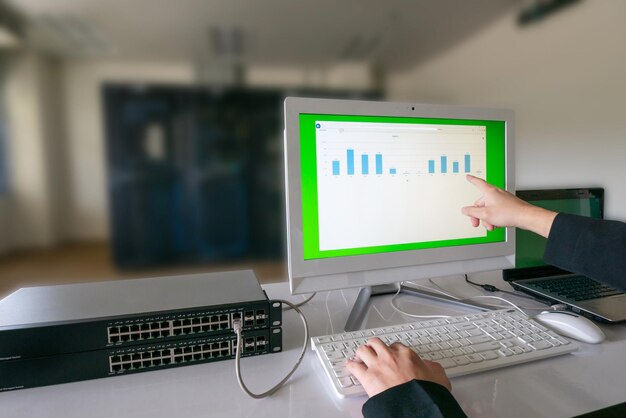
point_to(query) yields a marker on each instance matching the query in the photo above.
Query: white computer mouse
(571, 325)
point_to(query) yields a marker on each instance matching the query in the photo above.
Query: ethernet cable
(237, 328)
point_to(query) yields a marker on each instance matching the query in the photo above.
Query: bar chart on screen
(402, 168)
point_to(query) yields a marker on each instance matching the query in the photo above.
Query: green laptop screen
(530, 247)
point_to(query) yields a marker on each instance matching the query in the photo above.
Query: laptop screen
(530, 247)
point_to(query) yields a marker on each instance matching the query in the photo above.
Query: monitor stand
(361, 305)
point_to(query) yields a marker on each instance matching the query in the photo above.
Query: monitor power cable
(237, 327)
(492, 288)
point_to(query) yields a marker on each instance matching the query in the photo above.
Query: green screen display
(493, 162)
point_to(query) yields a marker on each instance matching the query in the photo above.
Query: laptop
(551, 284)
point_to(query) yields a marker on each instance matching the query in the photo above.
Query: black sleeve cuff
(417, 398)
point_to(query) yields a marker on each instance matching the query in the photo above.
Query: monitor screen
(377, 189)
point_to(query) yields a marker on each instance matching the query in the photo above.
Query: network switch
(133, 325)
(70, 367)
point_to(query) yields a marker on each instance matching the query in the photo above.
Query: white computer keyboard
(461, 344)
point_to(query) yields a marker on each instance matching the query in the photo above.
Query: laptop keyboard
(575, 288)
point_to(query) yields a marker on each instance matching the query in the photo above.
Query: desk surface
(589, 379)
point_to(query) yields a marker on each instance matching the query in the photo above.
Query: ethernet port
(214, 318)
(155, 334)
(187, 350)
(115, 359)
(187, 330)
(116, 367)
(114, 330)
(224, 344)
(146, 363)
(135, 337)
(145, 327)
(176, 323)
(165, 324)
(195, 321)
(196, 329)
(260, 341)
(165, 333)
(223, 353)
(155, 325)
(214, 326)
(146, 355)
(124, 337)
(167, 361)
(124, 329)
(145, 335)
(126, 366)
(248, 315)
(188, 357)
(136, 357)
(197, 356)
(206, 328)
(177, 331)
(134, 328)
(178, 351)
(125, 358)
(223, 317)
(114, 338)
(236, 315)
(165, 353)
(206, 347)
(248, 322)
(178, 359)
(156, 363)
(223, 325)
(186, 322)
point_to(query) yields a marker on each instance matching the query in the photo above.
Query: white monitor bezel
(383, 268)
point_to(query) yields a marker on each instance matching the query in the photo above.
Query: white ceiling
(391, 34)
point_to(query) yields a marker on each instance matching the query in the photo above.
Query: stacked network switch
(58, 334)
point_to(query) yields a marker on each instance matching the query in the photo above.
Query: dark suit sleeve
(415, 399)
(593, 247)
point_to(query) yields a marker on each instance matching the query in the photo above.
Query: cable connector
(237, 326)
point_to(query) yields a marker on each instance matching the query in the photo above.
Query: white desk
(591, 378)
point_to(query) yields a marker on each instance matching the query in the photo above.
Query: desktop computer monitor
(375, 190)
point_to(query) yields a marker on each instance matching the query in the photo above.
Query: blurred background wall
(72, 71)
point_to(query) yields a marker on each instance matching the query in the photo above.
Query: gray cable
(242, 385)
(288, 308)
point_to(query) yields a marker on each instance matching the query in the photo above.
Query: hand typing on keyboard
(379, 367)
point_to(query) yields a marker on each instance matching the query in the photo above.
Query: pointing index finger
(480, 184)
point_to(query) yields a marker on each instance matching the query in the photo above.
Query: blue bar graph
(467, 163)
(431, 166)
(444, 164)
(350, 161)
(335, 168)
(365, 164)
(379, 164)
(392, 171)
(455, 166)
